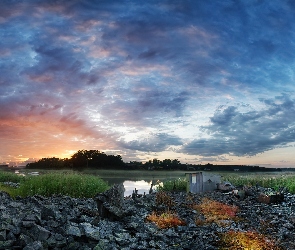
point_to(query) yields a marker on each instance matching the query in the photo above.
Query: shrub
(246, 240)
(165, 220)
(215, 211)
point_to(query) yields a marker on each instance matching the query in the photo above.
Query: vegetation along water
(88, 184)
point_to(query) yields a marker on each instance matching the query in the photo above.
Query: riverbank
(62, 222)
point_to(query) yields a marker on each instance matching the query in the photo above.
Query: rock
(24, 239)
(36, 245)
(11, 184)
(2, 235)
(90, 231)
(64, 223)
(273, 198)
(74, 230)
(225, 186)
(40, 233)
(6, 244)
(110, 203)
(47, 212)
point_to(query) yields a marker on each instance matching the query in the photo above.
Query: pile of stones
(112, 221)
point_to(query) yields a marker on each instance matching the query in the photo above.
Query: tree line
(80, 160)
(95, 159)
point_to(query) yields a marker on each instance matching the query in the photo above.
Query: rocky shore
(110, 221)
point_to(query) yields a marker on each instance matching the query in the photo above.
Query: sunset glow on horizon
(198, 81)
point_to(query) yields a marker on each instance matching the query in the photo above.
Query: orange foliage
(215, 211)
(165, 220)
(246, 240)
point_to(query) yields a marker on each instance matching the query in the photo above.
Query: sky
(194, 80)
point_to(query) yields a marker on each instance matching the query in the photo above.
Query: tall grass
(58, 183)
(268, 181)
(275, 182)
(173, 185)
(9, 176)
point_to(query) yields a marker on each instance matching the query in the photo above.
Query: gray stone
(15, 204)
(2, 235)
(6, 244)
(73, 230)
(59, 222)
(73, 246)
(61, 243)
(47, 212)
(36, 245)
(110, 203)
(32, 217)
(51, 241)
(122, 238)
(28, 224)
(14, 229)
(39, 233)
(100, 246)
(10, 236)
(90, 231)
(25, 239)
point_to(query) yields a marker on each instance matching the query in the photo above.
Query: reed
(9, 176)
(173, 185)
(276, 182)
(59, 183)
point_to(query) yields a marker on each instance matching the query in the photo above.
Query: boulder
(110, 204)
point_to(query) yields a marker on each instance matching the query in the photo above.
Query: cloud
(154, 143)
(107, 70)
(247, 133)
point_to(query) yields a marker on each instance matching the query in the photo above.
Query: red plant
(215, 211)
(165, 220)
(246, 240)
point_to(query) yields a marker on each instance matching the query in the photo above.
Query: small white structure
(201, 182)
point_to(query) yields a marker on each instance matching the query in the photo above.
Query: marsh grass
(276, 181)
(173, 185)
(58, 183)
(9, 176)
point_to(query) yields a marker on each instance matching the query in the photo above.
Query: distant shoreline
(189, 168)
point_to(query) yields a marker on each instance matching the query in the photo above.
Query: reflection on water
(24, 174)
(142, 186)
(19, 173)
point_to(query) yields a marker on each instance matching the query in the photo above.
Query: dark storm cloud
(154, 143)
(247, 43)
(169, 32)
(145, 108)
(250, 133)
(161, 100)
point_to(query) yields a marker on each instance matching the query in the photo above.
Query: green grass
(56, 183)
(276, 182)
(264, 180)
(9, 176)
(173, 185)
(74, 184)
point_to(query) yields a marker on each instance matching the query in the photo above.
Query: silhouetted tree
(95, 159)
(49, 163)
